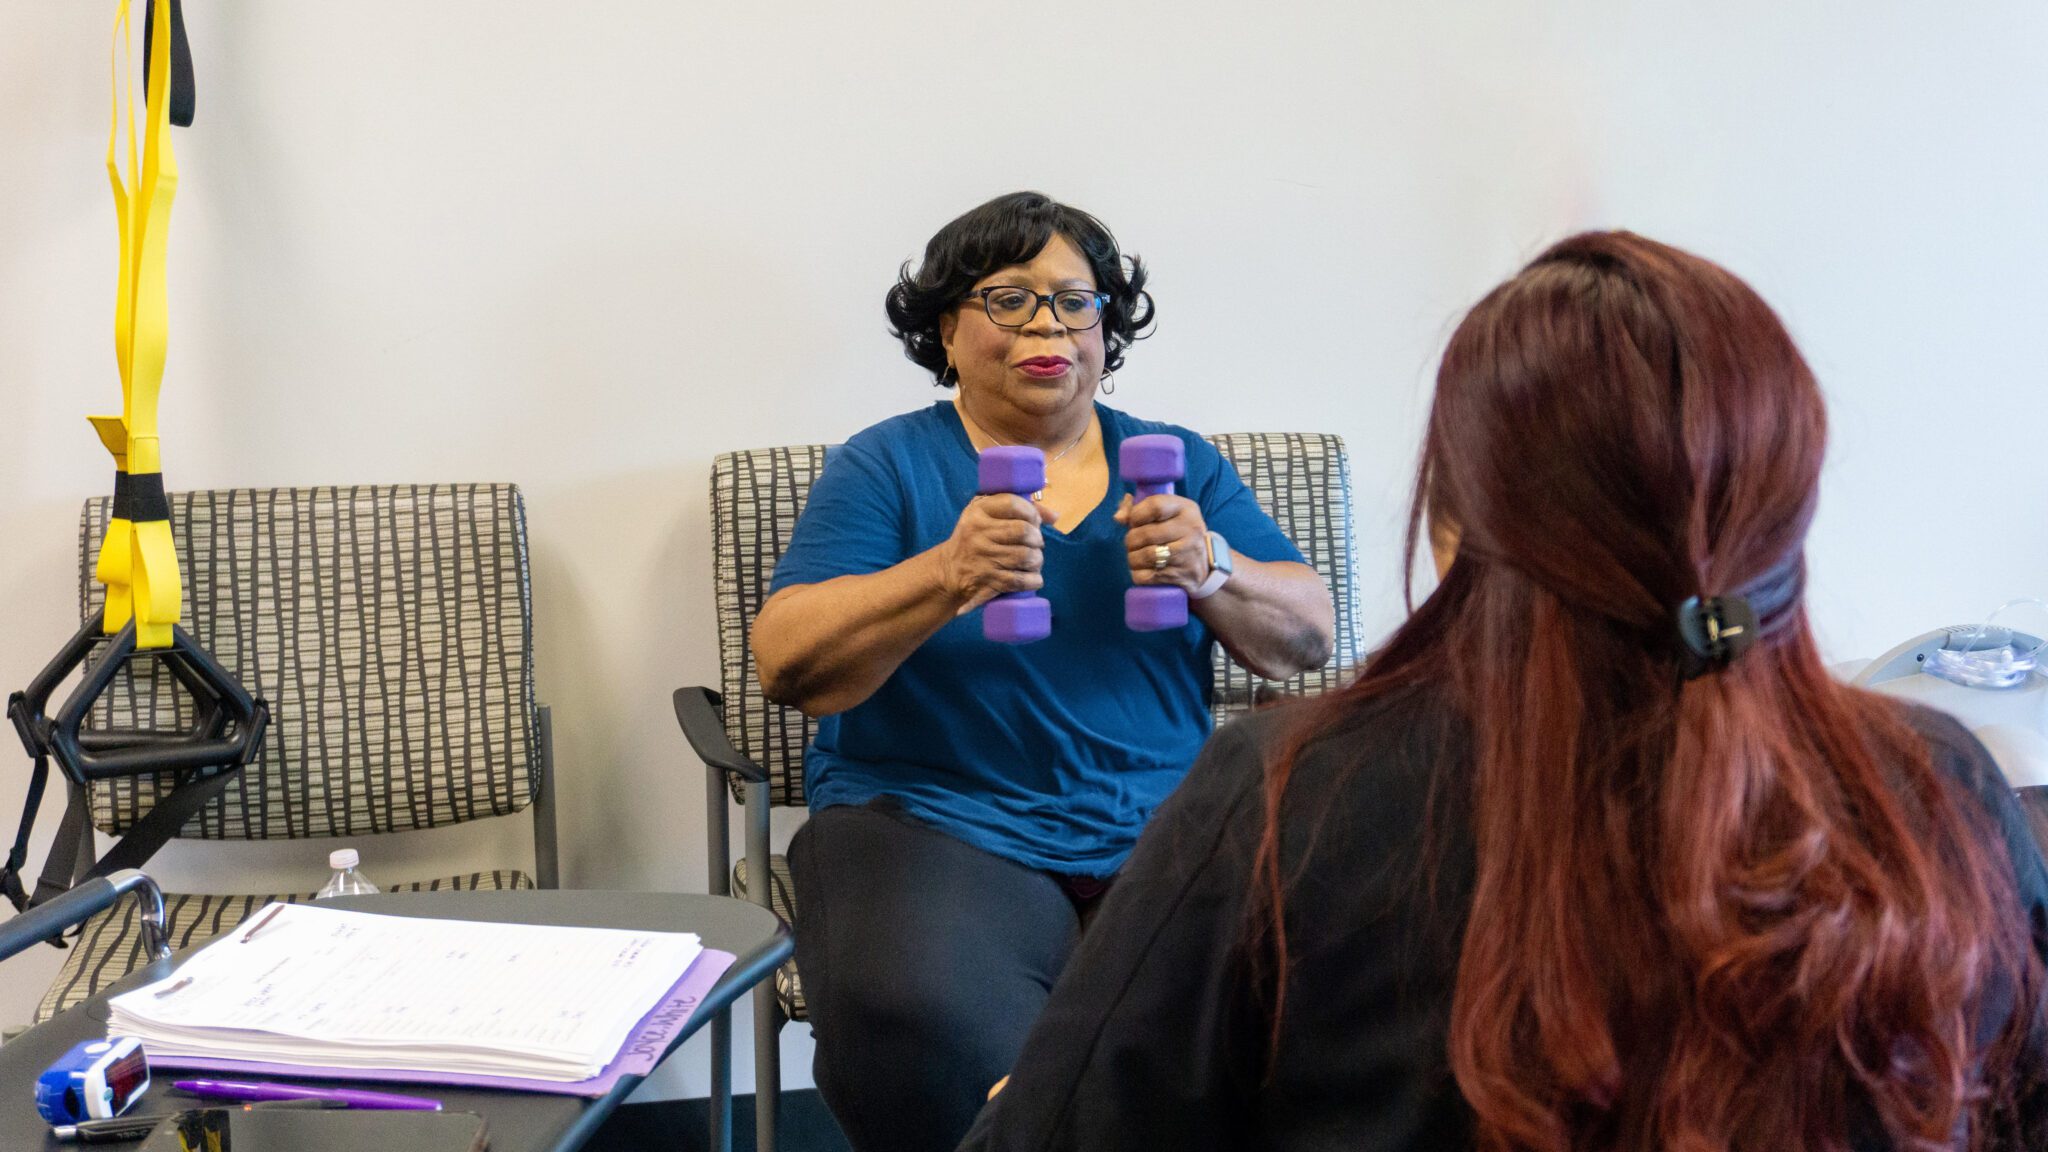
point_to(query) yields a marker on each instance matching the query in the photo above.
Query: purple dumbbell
(1014, 617)
(1151, 464)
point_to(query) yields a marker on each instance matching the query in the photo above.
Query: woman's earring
(1109, 383)
(950, 376)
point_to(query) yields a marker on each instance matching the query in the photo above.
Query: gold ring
(1162, 555)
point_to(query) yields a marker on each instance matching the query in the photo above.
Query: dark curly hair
(1009, 230)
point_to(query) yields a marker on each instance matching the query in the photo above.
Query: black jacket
(1155, 1038)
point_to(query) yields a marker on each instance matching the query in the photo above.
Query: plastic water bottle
(346, 881)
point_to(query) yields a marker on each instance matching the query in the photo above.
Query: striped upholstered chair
(391, 631)
(1303, 480)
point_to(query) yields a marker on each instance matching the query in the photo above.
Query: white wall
(586, 247)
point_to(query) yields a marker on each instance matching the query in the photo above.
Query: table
(519, 1121)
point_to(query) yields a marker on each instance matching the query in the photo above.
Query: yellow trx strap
(138, 562)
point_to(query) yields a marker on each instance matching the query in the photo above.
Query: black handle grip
(52, 917)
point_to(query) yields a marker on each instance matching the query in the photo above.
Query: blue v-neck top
(1051, 754)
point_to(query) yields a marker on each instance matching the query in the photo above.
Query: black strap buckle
(10, 885)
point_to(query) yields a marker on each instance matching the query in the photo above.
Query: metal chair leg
(721, 1082)
(547, 853)
(767, 1065)
(767, 1011)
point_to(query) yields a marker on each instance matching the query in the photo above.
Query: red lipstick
(1045, 367)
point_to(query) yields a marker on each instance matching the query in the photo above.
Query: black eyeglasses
(1077, 309)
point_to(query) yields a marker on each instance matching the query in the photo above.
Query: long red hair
(1736, 911)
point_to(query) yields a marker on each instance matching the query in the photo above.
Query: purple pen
(353, 1097)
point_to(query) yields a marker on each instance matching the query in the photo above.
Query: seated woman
(970, 800)
(1595, 855)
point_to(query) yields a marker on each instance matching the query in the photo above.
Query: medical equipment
(1991, 677)
(95, 1080)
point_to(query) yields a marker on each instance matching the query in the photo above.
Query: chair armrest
(697, 711)
(53, 916)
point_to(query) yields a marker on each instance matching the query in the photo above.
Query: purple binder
(642, 1051)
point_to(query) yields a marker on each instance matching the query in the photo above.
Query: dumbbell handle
(1014, 617)
(1154, 607)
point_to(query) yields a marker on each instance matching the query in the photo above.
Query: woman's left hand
(1172, 522)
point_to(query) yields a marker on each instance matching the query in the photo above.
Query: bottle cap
(342, 858)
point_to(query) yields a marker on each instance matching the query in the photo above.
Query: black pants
(924, 963)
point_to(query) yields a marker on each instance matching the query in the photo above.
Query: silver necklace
(1050, 461)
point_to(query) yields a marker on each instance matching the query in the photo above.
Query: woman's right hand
(996, 547)
(826, 647)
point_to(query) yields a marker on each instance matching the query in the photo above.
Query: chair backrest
(391, 630)
(1303, 480)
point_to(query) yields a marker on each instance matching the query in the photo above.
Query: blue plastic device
(96, 1080)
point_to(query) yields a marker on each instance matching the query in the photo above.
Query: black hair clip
(1715, 630)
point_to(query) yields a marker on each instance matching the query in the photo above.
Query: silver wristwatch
(1219, 568)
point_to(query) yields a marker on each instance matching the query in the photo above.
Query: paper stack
(310, 985)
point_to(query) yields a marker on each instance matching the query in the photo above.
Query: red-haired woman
(1595, 855)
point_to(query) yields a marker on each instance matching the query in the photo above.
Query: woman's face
(1040, 370)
